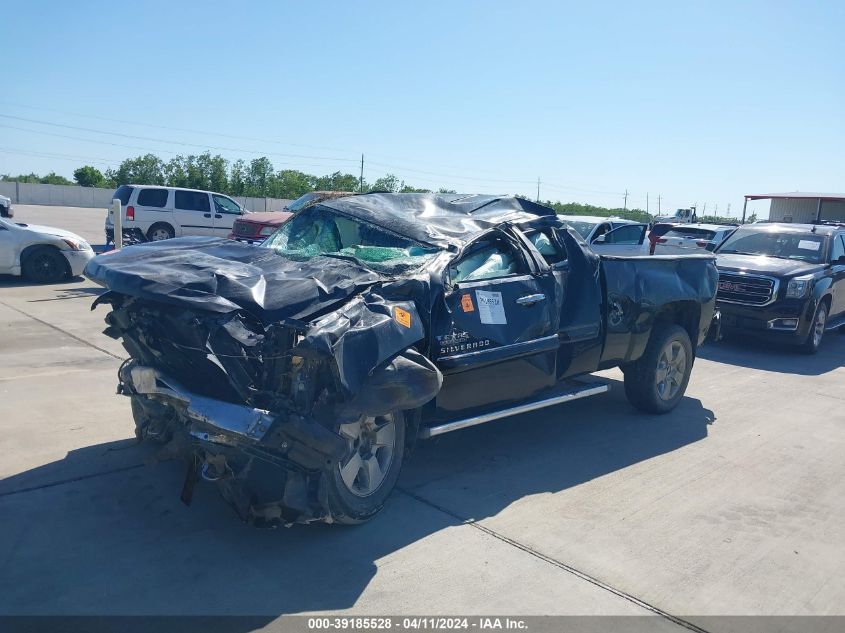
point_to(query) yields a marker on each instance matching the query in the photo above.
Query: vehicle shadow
(772, 356)
(118, 541)
(72, 293)
(12, 281)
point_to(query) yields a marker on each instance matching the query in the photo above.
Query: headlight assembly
(799, 287)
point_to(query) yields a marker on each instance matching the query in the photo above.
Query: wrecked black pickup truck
(297, 374)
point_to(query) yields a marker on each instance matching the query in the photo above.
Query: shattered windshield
(807, 247)
(316, 231)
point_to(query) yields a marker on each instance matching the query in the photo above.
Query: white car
(41, 254)
(152, 213)
(610, 236)
(692, 237)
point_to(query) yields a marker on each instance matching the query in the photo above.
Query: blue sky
(692, 101)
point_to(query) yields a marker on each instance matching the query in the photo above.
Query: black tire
(814, 337)
(45, 265)
(160, 231)
(349, 505)
(644, 387)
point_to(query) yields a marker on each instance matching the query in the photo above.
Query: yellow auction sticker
(403, 317)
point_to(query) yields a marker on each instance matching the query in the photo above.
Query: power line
(144, 149)
(493, 178)
(159, 140)
(170, 128)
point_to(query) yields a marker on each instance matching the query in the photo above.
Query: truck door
(497, 340)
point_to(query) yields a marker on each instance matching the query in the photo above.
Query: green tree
(337, 182)
(442, 190)
(409, 189)
(292, 183)
(88, 176)
(237, 186)
(258, 177)
(142, 170)
(388, 182)
(218, 168)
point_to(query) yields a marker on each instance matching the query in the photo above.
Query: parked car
(785, 281)
(657, 231)
(257, 227)
(297, 374)
(6, 210)
(153, 213)
(693, 236)
(591, 227)
(41, 254)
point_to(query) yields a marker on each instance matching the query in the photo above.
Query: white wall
(74, 196)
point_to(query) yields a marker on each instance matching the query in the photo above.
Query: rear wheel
(45, 265)
(160, 231)
(361, 482)
(816, 334)
(657, 381)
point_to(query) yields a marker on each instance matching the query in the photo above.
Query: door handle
(218, 216)
(206, 215)
(529, 300)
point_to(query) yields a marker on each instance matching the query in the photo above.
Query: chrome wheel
(372, 446)
(671, 368)
(818, 326)
(159, 234)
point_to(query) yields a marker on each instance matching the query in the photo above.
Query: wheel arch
(686, 314)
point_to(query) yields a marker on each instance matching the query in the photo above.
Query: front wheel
(360, 483)
(656, 382)
(816, 334)
(45, 265)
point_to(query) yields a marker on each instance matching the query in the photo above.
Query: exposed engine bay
(256, 409)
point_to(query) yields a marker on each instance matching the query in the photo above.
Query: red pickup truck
(257, 227)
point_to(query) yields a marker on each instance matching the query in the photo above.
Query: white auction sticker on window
(491, 308)
(809, 245)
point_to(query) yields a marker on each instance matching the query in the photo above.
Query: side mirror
(840, 261)
(711, 246)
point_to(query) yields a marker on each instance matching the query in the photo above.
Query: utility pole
(659, 198)
(625, 206)
(704, 209)
(361, 185)
(538, 188)
(646, 201)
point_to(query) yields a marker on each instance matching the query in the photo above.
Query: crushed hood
(220, 275)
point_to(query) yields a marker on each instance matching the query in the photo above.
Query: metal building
(798, 206)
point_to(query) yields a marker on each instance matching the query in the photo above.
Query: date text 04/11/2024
(418, 623)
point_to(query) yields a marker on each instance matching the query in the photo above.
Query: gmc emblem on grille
(727, 285)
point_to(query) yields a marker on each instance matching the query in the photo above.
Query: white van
(152, 213)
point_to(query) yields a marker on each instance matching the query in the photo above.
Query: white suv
(152, 213)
